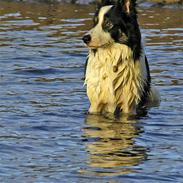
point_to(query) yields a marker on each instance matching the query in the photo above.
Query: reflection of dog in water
(110, 144)
(117, 72)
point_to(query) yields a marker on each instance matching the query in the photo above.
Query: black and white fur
(117, 72)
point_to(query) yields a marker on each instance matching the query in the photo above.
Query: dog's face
(99, 35)
(113, 22)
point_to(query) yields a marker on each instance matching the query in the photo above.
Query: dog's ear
(101, 3)
(128, 6)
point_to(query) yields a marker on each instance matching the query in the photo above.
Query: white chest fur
(114, 80)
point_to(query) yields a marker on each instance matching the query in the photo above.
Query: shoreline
(141, 3)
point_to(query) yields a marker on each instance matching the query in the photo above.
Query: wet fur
(117, 72)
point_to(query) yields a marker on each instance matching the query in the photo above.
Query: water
(45, 132)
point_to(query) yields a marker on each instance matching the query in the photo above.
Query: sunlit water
(45, 132)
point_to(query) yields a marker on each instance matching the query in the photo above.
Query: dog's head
(114, 21)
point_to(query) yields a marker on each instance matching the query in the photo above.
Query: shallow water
(45, 132)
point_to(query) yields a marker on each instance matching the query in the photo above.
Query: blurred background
(160, 2)
(46, 134)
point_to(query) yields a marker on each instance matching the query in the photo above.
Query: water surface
(45, 132)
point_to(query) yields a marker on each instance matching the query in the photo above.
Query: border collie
(117, 72)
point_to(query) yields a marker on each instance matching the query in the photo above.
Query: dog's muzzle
(87, 39)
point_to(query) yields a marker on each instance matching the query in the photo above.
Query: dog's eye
(108, 24)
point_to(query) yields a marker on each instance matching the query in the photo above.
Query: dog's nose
(87, 39)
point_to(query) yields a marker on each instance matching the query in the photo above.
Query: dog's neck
(115, 52)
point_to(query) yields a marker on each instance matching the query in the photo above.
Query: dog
(117, 73)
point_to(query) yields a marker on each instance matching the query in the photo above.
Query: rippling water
(45, 132)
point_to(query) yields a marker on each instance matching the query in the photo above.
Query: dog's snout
(87, 39)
